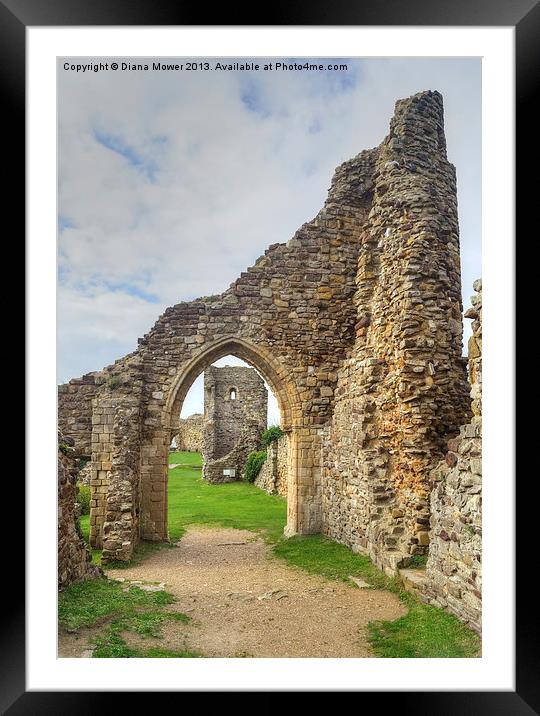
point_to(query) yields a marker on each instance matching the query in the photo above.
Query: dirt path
(245, 602)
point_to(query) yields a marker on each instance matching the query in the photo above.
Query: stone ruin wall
(85, 474)
(402, 389)
(117, 419)
(189, 437)
(454, 567)
(232, 428)
(356, 325)
(75, 411)
(273, 475)
(74, 559)
(291, 314)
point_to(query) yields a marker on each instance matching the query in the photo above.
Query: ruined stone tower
(235, 415)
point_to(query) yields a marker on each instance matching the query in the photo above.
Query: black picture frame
(524, 16)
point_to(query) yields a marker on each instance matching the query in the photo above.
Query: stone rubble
(74, 559)
(273, 475)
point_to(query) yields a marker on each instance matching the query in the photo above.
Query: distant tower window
(232, 394)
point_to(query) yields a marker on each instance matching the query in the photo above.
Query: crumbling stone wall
(116, 463)
(235, 415)
(190, 433)
(402, 388)
(75, 411)
(85, 474)
(454, 566)
(74, 559)
(356, 325)
(290, 315)
(273, 475)
(230, 467)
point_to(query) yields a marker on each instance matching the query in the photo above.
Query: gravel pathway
(244, 602)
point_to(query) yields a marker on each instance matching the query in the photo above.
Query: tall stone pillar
(403, 391)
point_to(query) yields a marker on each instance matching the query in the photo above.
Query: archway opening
(197, 401)
(229, 431)
(202, 400)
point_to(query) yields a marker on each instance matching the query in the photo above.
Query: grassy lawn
(234, 504)
(186, 459)
(424, 632)
(319, 555)
(120, 609)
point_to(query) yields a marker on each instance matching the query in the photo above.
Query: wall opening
(224, 421)
(190, 396)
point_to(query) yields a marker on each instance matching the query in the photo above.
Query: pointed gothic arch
(154, 491)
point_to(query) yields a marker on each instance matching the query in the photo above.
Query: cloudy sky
(172, 183)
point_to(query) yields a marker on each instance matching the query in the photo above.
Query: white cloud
(171, 185)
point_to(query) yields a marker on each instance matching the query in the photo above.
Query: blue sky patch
(65, 223)
(116, 144)
(252, 99)
(132, 290)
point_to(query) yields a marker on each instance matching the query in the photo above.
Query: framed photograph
(259, 416)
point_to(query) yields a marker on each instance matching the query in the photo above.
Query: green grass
(104, 603)
(193, 501)
(187, 459)
(319, 555)
(424, 632)
(84, 523)
(84, 604)
(111, 645)
(147, 623)
(234, 504)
